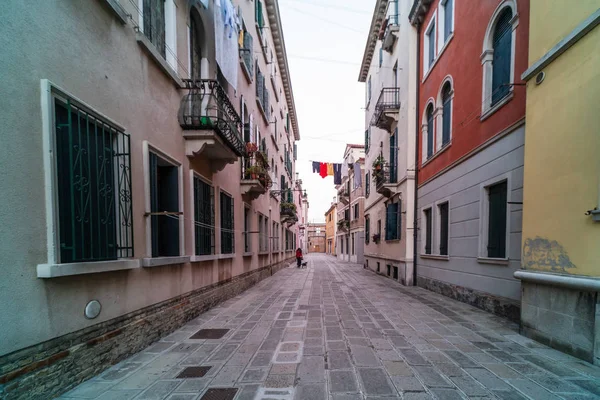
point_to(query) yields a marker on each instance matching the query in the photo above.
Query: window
(347, 214)
(393, 178)
(395, 273)
(275, 236)
(356, 211)
(379, 227)
(93, 182)
(497, 198)
(428, 225)
(378, 266)
(430, 131)
(501, 65)
(446, 112)
(369, 90)
(154, 23)
(247, 243)
(380, 57)
(164, 205)
(347, 245)
(367, 183)
(227, 224)
(444, 224)
(353, 244)
(259, 15)
(448, 20)
(263, 229)
(367, 140)
(497, 58)
(389, 269)
(367, 229)
(195, 47)
(430, 50)
(204, 217)
(392, 221)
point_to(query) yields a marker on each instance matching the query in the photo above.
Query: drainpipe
(417, 135)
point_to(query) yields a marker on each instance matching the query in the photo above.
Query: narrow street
(336, 331)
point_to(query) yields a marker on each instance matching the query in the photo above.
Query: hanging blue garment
(337, 174)
(357, 176)
(316, 166)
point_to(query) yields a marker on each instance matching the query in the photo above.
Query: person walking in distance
(299, 257)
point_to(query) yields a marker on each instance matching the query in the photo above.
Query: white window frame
(442, 28)
(487, 57)
(53, 267)
(170, 30)
(427, 34)
(431, 207)
(148, 260)
(484, 211)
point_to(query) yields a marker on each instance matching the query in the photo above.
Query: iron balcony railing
(206, 106)
(388, 174)
(389, 100)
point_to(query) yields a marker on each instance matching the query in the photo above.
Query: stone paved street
(336, 331)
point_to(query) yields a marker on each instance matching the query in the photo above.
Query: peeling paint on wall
(545, 254)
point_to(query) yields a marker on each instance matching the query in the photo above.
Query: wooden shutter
(444, 229)
(153, 166)
(502, 43)
(430, 135)
(393, 156)
(367, 229)
(428, 231)
(497, 195)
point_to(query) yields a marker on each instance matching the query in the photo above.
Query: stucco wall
(462, 187)
(562, 169)
(81, 47)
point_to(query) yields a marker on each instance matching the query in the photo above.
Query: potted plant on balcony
(262, 158)
(378, 168)
(253, 172)
(286, 208)
(251, 148)
(376, 237)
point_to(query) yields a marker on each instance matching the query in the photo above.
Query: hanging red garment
(323, 170)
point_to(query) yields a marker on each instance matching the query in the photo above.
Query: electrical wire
(326, 20)
(336, 7)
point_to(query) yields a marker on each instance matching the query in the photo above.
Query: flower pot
(378, 167)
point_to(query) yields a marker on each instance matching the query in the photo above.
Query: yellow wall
(330, 230)
(562, 145)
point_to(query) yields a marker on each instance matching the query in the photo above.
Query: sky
(325, 41)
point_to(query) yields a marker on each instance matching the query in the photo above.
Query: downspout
(417, 135)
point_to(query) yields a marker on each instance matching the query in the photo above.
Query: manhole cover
(219, 394)
(193, 372)
(210, 334)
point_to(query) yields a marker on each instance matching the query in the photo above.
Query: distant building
(350, 206)
(316, 237)
(471, 115)
(561, 217)
(330, 229)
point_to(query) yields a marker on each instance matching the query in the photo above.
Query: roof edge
(376, 20)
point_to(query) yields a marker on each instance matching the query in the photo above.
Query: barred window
(227, 225)
(204, 217)
(93, 167)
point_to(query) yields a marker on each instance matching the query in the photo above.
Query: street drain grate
(193, 372)
(219, 394)
(210, 334)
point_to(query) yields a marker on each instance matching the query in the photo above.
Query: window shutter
(399, 220)
(429, 131)
(367, 229)
(502, 54)
(447, 19)
(153, 161)
(380, 56)
(431, 35)
(295, 151)
(287, 121)
(428, 231)
(446, 114)
(444, 229)
(393, 156)
(497, 196)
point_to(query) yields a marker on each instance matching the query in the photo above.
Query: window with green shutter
(444, 210)
(392, 231)
(367, 229)
(204, 217)
(497, 197)
(428, 226)
(227, 224)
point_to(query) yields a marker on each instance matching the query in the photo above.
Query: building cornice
(376, 22)
(279, 43)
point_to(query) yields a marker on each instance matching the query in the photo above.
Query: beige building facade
(151, 179)
(388, 70)
(330, 229)
(350, 206)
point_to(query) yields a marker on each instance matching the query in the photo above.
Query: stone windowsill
(263, 253)
(490, 111)
(158, 58)
(437, 153)
(117, 10)
(58, 270)
(248, 254)
(160, 261)
(211, 257)
(435, 257)
(495, 261)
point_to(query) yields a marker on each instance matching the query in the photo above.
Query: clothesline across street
(337, 170)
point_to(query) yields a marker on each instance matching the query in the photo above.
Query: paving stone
(413, 357)
(336, 345)
(313, 351)
(183, 396)
(469, 386)
(311, 369)
(283, 369)
(342, 381)
(461, 359)
(255, 375)
(279, 381)
(431, 377)
(417, 396)
(512, 395)
(364, 356)
(119, 395)
(556, 385)
(227, 376)
(311, 392)
(487, 379)
(550, 365)
(262, 359)
(313, 341)
(195, 385)
(159, 390)
(532, 389)
(502, 370)
(407, 384)
(397, 368)
(590, 386)
(375, 382)
(338, 360)
(338, 396)
(446, 394)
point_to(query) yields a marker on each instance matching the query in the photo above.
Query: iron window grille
(204, 217)
(93, 166)
(227, 224)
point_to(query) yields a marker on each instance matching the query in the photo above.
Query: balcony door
(196, 33)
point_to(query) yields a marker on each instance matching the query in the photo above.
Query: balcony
(387, 108)
(255, 177)
(343, 196)
(389, 33)
(343, 225)
(212, 127)
(386, 178)
(287, 213)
